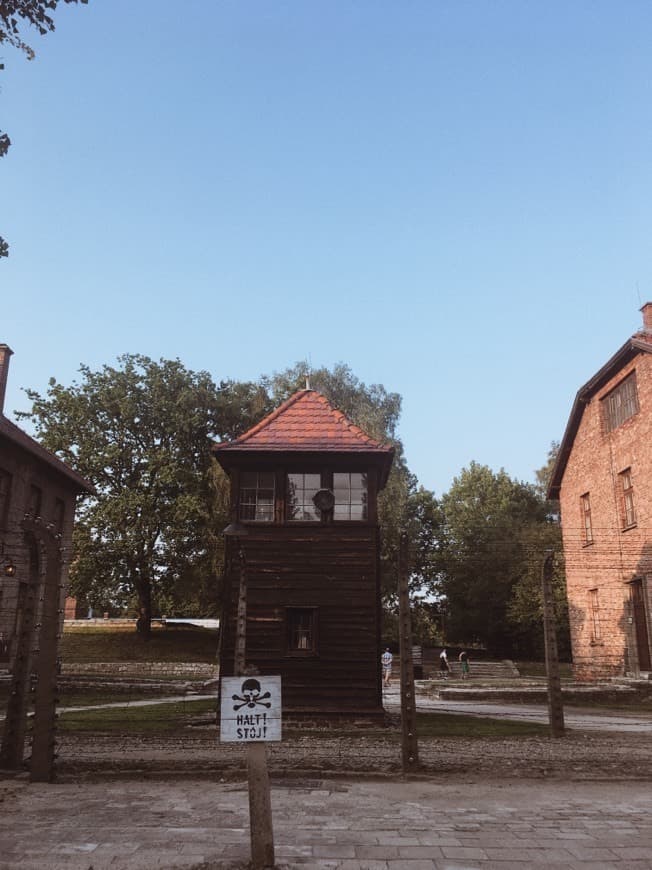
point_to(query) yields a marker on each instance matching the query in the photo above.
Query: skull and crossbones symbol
(251, 696)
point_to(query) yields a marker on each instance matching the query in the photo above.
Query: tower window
(257, 496)
(351, 495)
(301, 489)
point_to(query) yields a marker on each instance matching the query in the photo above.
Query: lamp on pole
(8, 567)
(260, 802)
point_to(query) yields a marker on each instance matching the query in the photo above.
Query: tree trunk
(144, 621)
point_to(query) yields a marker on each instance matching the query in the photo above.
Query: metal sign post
(250, 712)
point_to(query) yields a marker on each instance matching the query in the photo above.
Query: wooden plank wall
(333, 569)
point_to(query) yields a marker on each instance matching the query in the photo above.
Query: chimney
(647, 317)
(5, 353)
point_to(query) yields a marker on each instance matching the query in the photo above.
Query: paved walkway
(574, 717)
(352, 825)
(586, 719)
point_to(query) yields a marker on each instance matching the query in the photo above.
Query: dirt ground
(577, 756)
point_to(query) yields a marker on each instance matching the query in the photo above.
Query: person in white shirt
(386, 661)
(443, 664)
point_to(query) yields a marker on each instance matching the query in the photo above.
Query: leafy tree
(486, 552)
(424, 527)
(141, 433)
(544, 474)
(427, 623)
(525, 609)
(13, 15)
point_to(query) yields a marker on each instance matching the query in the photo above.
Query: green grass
(153, 719)
(431, 725)
(120, 643)
(172, 717)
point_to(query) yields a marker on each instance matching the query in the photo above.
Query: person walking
(443, 664)
(386, 662)
(464, 664)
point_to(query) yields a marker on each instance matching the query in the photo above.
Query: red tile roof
(22, 439)
(306, 422)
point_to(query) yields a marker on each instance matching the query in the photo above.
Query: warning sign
(250, 709)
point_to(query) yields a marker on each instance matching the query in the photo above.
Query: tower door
(640, 625)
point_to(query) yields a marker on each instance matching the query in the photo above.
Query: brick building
(34, 484)
(603, 480)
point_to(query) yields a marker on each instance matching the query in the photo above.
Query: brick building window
(627, 497)
(257, 496)
(302, 630)
(594, 615)
(59, 515)
(5, 491)
(587, 525)
(35, 501)
(621, 403)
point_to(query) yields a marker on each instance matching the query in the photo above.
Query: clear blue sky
(454, 198)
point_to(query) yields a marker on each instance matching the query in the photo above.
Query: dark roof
(22, 439)
(638, 343)
(306, 423)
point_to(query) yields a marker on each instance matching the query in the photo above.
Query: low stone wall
(142, 670)
(99, 620)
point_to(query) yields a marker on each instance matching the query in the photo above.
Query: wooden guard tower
(304, 483)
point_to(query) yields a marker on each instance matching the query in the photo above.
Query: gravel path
(577, 756)
(583, 754)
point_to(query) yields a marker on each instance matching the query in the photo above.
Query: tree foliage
(424, 527)
(141, 433)
(544, 474)
(14, 15)
(525, 609)
(5, 142)
(495, 533)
